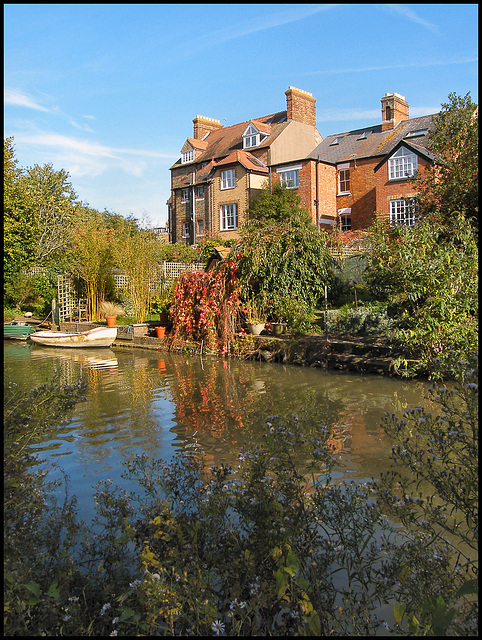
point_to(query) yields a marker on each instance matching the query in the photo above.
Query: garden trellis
(167, 272)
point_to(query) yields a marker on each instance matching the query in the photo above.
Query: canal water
(141, 401)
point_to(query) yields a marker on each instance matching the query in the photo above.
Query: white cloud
(81, 157)
(17, 98)
(406, 12)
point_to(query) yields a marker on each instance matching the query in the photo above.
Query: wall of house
(387, 190)
(238, 195)
(296, 141)
(327, 178)
(362, 197)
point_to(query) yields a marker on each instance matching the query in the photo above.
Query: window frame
(228, 181)
(199, 190)
(228, 212)
(283, 173)
(185, 195)
(402, 165)
(251, 137)
(345, 181)
(187, 156)
(185, 230)
(409, 212)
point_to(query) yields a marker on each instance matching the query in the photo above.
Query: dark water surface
(140, 401)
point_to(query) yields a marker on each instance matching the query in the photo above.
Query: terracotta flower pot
(160, 330)
(110, 321)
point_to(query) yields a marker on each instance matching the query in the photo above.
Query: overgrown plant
(429, 280)
(438, 500)
(206, 307)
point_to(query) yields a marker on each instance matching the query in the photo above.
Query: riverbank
(372, 355)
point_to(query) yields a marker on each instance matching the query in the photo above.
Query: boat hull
(99, 337)
(16, 331)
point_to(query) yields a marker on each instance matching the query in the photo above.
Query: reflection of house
(345, 181)
(222, 169)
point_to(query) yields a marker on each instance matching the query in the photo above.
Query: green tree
(136, 255)
(19, 244)
(55, 210)
(283, 258)
(430, 280)
(92, 259)
(451, 185)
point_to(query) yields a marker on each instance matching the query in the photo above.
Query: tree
(283, 257)
(136, 255)
(450, 186)
(92, 259)
(429, 278)
(18, 214)
(55, 207)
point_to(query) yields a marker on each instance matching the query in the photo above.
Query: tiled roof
(371, 142)
(246, 159)
(222, 142)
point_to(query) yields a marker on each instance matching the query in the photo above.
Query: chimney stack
(394, 109)
(203, 125)
(300, 106)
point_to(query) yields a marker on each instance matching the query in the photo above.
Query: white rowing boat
(98, 337)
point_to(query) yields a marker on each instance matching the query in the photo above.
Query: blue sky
(108, 92)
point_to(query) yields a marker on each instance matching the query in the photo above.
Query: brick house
(346, 181)
(364, 175)
(221, 169)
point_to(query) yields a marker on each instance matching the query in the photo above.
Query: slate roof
(371, 142)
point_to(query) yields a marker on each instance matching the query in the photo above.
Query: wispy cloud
(255, 24)
(82, 157)
(409, 65)
(19, 99)
(405, 11)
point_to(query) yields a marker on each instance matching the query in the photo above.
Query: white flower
(217, 626)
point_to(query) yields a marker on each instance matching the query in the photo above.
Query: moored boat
(98, 337)
(17, 331)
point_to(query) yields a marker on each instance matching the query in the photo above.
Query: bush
(369, 320)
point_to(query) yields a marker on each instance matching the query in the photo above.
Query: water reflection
(146, 402)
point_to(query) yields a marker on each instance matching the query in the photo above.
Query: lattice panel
(66, 296)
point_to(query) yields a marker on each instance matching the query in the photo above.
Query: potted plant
(111, 310)
(255, 316)
(162, 303)
(279, 308)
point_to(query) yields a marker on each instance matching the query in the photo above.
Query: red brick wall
(387, 190)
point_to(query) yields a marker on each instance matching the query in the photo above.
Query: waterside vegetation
(272, 546)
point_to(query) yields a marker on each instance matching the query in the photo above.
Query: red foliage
(206, 307)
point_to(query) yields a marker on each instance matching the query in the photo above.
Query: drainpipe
(193, 179)
(317, 202)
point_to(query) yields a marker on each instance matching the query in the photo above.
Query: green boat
(17, 331)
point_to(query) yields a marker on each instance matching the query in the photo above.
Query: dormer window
(402, 165)
(187, 156)
(251, 137)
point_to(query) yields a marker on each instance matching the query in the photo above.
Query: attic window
(251, 137)
(336, 141)
(415, 134)
(187, 156)
(364, 135)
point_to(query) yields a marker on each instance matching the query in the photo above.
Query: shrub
(369, 320)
